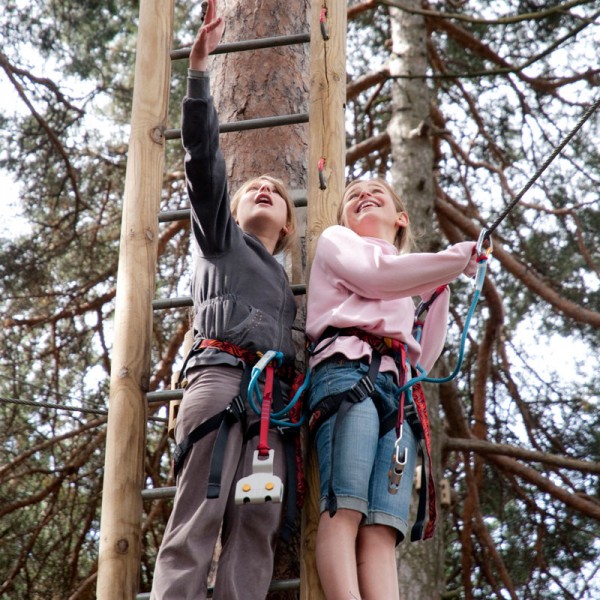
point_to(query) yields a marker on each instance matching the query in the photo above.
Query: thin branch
(376, 143)
(541, 14)
(521, 271)
(486, 448)
(355, 87)
(577, 502)
(71, 174)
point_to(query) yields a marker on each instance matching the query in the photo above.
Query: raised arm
(367, 271)
(205, 171)
(208, 37)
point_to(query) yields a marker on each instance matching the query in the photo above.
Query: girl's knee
(343, 515)
(379, 536)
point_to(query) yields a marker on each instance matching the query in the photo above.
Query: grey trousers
(249, 532)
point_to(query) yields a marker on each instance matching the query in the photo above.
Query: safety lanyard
(265, 412)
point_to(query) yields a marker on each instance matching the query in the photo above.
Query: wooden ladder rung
(277, 585)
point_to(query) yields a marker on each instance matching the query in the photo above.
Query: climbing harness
(412, 407)
(262, 485)
(340, 403)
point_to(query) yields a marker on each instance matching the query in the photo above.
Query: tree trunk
(421, 567)
(257, 84)
(263, 83)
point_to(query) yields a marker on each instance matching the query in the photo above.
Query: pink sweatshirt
(363, 282)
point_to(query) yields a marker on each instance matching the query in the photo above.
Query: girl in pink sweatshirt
(360, 319)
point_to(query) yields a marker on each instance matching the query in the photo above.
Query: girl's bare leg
(376, 560)
(336, 554)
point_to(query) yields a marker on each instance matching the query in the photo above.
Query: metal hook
(484, 245)
(397, 467)
(322, 181)
(323, 23)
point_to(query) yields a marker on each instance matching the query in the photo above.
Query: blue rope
(479, 279)
(254, 390)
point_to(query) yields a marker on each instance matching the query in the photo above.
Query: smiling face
(371, 209)
(263, 207)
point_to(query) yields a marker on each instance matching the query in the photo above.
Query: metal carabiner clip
(484, 245)
(397, 467)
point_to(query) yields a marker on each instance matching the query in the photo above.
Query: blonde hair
(287, 240)
(404, 237)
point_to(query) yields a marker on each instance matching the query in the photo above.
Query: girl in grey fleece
(242, 297)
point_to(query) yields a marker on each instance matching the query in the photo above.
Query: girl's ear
(284, 231)
(402, 220)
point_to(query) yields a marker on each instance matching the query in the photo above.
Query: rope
(479, 280)
(52, 405)
(588, 113)
(254, 391)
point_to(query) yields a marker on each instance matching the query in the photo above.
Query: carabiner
(483, 251)
(397, 467)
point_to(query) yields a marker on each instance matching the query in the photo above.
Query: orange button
(246, 487)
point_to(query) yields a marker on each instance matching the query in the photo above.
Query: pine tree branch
(357, 9)
(73, 311)
(487, 448)
(23, 456)
(543, 85)
(360, 84)
(71, 173)
(376, 143)
(519, 270)
(579, 503)
(538, 15)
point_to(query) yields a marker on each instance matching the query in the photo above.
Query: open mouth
(366, 204)
(263, 199)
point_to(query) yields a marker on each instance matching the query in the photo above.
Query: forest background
(518, 429)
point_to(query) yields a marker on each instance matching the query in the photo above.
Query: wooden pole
(120, 528)
(326, 177)
(327, 133)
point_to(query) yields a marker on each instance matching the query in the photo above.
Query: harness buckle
(236, 410)
(410, 413)
(361, 390)
(177, 453)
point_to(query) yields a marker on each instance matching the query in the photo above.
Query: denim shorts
(361, 458)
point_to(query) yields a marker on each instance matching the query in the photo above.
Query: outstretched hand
(208, 38)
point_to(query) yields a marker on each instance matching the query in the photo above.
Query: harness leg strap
(233, 413)
(357, 393)
(182, 449)
(236, 411)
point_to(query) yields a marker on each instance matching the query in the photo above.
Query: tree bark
(263, 83)
(421, 567)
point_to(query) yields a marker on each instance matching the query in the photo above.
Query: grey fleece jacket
(241, 293)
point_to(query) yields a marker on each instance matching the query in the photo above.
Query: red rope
(265, 413)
